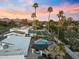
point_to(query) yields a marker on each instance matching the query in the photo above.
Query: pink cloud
(13, 14)
(41, 11)
(74, 8)
(66, 8)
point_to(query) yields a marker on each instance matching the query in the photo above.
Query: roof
(14, 33)
(22, 29)
(20, 45)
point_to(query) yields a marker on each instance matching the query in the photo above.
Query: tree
(69, 20)
(12, 23)
(60, 14)
(51, 25)
(37, 24)
(62, 18)
(52, 50)
(33, 16)
(55, 50)
(62, 22)
(35, 5)
(72, 24)
(61, 25)
(61, 50)
(49, 10)
(24, 22)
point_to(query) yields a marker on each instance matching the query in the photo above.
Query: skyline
(23, 8)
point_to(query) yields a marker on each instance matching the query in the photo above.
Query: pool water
(40, 42)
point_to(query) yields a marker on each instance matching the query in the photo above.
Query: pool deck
(30, 55)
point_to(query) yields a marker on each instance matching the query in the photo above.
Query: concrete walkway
(30, 55)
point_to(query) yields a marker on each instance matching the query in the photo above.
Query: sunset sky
(23, 8)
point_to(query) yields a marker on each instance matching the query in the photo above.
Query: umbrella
(50, 42)
(40, 46)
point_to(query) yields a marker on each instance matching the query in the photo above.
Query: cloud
(13, 14)
(25, 9)
(70, 10)
(67, 8)
(4, 0)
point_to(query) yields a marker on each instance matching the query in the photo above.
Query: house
(23, 29)
(14, 47)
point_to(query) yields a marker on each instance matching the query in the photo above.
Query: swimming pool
(41, 41)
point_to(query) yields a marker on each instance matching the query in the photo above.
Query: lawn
(41, 33)
(46, 37)
(38, 33)
(2, 27)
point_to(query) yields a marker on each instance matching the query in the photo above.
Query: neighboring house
(15, 33)
(22, 29)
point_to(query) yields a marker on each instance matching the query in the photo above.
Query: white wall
(13, 57)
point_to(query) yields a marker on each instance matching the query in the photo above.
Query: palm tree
(49, 10)
(51, 26)
(33, 16)
(61, 24)
(38, 24)
(35, 5)
(62, 21)
(60, 14)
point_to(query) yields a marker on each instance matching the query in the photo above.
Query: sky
(23, 8)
